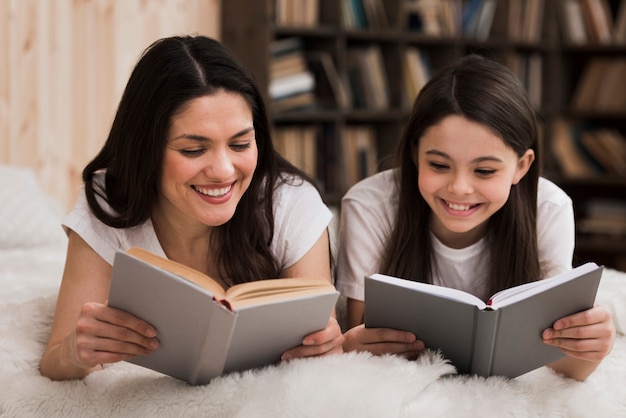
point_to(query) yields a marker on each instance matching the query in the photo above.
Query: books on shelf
(332, 89)
(359, 153)
(589, 22)
(367, 78)
(603, 217)
(298, 144)
(477, 18)
(598, 20)
(529, 70)
(439, 18)
(500, 337)
(532, 20)
(297, 13)
(619, 26)
(602, 86)
(416, 71)
(364, 14)
(569, 157)
(204, 330)
(291, 83)
(587, 151)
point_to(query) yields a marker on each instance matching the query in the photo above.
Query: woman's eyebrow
(201, 138)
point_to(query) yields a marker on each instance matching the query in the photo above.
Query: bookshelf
(356, 110)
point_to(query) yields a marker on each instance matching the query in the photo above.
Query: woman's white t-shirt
(368, 215)
(300, 218)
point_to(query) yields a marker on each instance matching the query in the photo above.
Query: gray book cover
(500, 340)
(199, 337)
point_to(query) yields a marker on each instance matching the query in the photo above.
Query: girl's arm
(586, 337)
(86, 333)
(316, 263)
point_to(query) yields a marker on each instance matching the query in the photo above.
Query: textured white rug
(347, 385)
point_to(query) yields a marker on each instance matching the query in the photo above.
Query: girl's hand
(106, 335)
(321, 343)
(383, 341)
(587, 335)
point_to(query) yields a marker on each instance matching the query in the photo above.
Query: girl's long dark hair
(171, 72)
(488, 93)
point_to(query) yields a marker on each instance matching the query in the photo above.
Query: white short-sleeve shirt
(300, 218)
(368, 215)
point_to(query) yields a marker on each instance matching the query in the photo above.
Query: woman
(188, 172)
(466, 209)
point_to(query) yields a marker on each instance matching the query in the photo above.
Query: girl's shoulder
(550, 194)
(381, 185)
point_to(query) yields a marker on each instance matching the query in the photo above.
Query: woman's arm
(86, 333)
(316, 263)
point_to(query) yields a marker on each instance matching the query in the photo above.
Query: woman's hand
(586, 337)
(383, 341)
(106, 335)
(320, 343)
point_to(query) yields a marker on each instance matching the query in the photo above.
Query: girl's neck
(458, 240)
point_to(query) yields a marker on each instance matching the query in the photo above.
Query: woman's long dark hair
(171, 72)
(488, 93)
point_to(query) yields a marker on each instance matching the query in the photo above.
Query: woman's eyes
(196, 152)
(241, 146)
(192, 152)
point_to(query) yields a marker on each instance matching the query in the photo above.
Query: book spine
(485, 327)
(212, 357)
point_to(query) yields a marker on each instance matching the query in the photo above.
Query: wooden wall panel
(63, 67)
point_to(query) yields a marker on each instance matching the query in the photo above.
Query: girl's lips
(460, 209)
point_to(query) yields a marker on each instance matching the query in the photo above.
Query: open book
(500, 337)
(205, 331)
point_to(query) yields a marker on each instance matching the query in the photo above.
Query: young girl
(188, 172)
(466, 209)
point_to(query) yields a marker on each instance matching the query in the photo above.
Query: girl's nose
(461, 184)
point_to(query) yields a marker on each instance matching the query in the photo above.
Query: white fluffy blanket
(347, 385)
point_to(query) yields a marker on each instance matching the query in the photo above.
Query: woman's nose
(219, 165)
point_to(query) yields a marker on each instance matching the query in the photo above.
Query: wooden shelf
(249, 28)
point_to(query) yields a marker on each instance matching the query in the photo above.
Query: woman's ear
(523, 165)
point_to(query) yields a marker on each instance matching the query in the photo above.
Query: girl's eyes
(438, 166)
(482, 172)
(485, 172)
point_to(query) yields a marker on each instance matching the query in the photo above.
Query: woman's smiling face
(210, 158)
(465, 175)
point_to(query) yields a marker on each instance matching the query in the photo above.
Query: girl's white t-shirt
(300, 218)
(367, 218)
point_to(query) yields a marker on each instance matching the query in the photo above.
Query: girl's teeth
(458, 207)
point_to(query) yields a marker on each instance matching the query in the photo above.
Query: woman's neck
(189, 245)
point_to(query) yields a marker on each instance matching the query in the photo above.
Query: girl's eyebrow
(475, 160)
(201, 138)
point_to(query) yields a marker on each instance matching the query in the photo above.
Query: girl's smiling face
(465, 174)
(210, 158)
